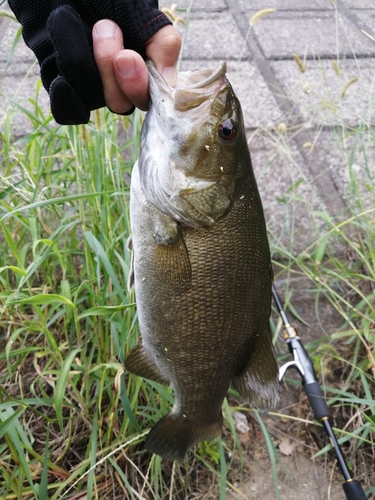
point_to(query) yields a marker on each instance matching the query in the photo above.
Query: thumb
(163, 49)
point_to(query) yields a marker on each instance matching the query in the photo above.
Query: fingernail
(105, 28)
(170, 75)
(125, 65)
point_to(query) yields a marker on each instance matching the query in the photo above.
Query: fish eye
(227, 130)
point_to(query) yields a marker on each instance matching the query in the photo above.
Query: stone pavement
(306, 81)
(299, 125)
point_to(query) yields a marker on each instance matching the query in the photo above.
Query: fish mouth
(192, 87)
(201, 78)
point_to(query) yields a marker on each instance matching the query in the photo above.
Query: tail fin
(174, 435)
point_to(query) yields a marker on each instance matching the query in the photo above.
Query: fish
(201, 264)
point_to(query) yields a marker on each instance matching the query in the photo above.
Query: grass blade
(61, 385)
(271, 452)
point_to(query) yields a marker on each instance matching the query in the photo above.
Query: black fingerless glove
(60, 34)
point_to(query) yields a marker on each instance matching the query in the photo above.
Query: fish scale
(202, 269)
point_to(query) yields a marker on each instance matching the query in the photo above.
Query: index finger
(123, 72)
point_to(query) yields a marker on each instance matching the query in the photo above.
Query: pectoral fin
(258, 382)
(171, 255)
(140, 363)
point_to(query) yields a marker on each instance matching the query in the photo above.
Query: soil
(299, 478)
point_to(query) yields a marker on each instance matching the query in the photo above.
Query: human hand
(60, 34)
(124, 73)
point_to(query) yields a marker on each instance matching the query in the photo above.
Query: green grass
(72, 423)
(66, 317)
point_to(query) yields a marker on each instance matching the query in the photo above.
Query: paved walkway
(298, 123)
(306, 80)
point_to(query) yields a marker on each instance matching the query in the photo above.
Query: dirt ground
(301, 479)
(299, 475)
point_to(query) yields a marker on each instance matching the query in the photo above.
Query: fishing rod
(302, 363)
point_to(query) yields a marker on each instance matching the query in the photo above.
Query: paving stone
(258, 104)
(312, 36)
(290, 199)
(22, 56)
(213, 36)
(12, 97)
(207, 5)
(246, 6)
(358, 4)
(18, 83)
(367, 16)
(350, 158)
(317, 93)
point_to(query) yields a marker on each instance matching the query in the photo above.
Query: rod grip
(353, 490)
(317, 401)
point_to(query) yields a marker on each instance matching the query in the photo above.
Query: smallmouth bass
(201, 260)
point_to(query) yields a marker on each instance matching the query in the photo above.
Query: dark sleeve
(60, 34)
(138, 19)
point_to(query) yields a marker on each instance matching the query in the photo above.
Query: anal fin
(140, 364)
(258, 382)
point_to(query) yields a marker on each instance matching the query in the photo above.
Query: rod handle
(353, 490)
(316, 399)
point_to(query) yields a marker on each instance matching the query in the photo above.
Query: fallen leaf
(287, 447)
